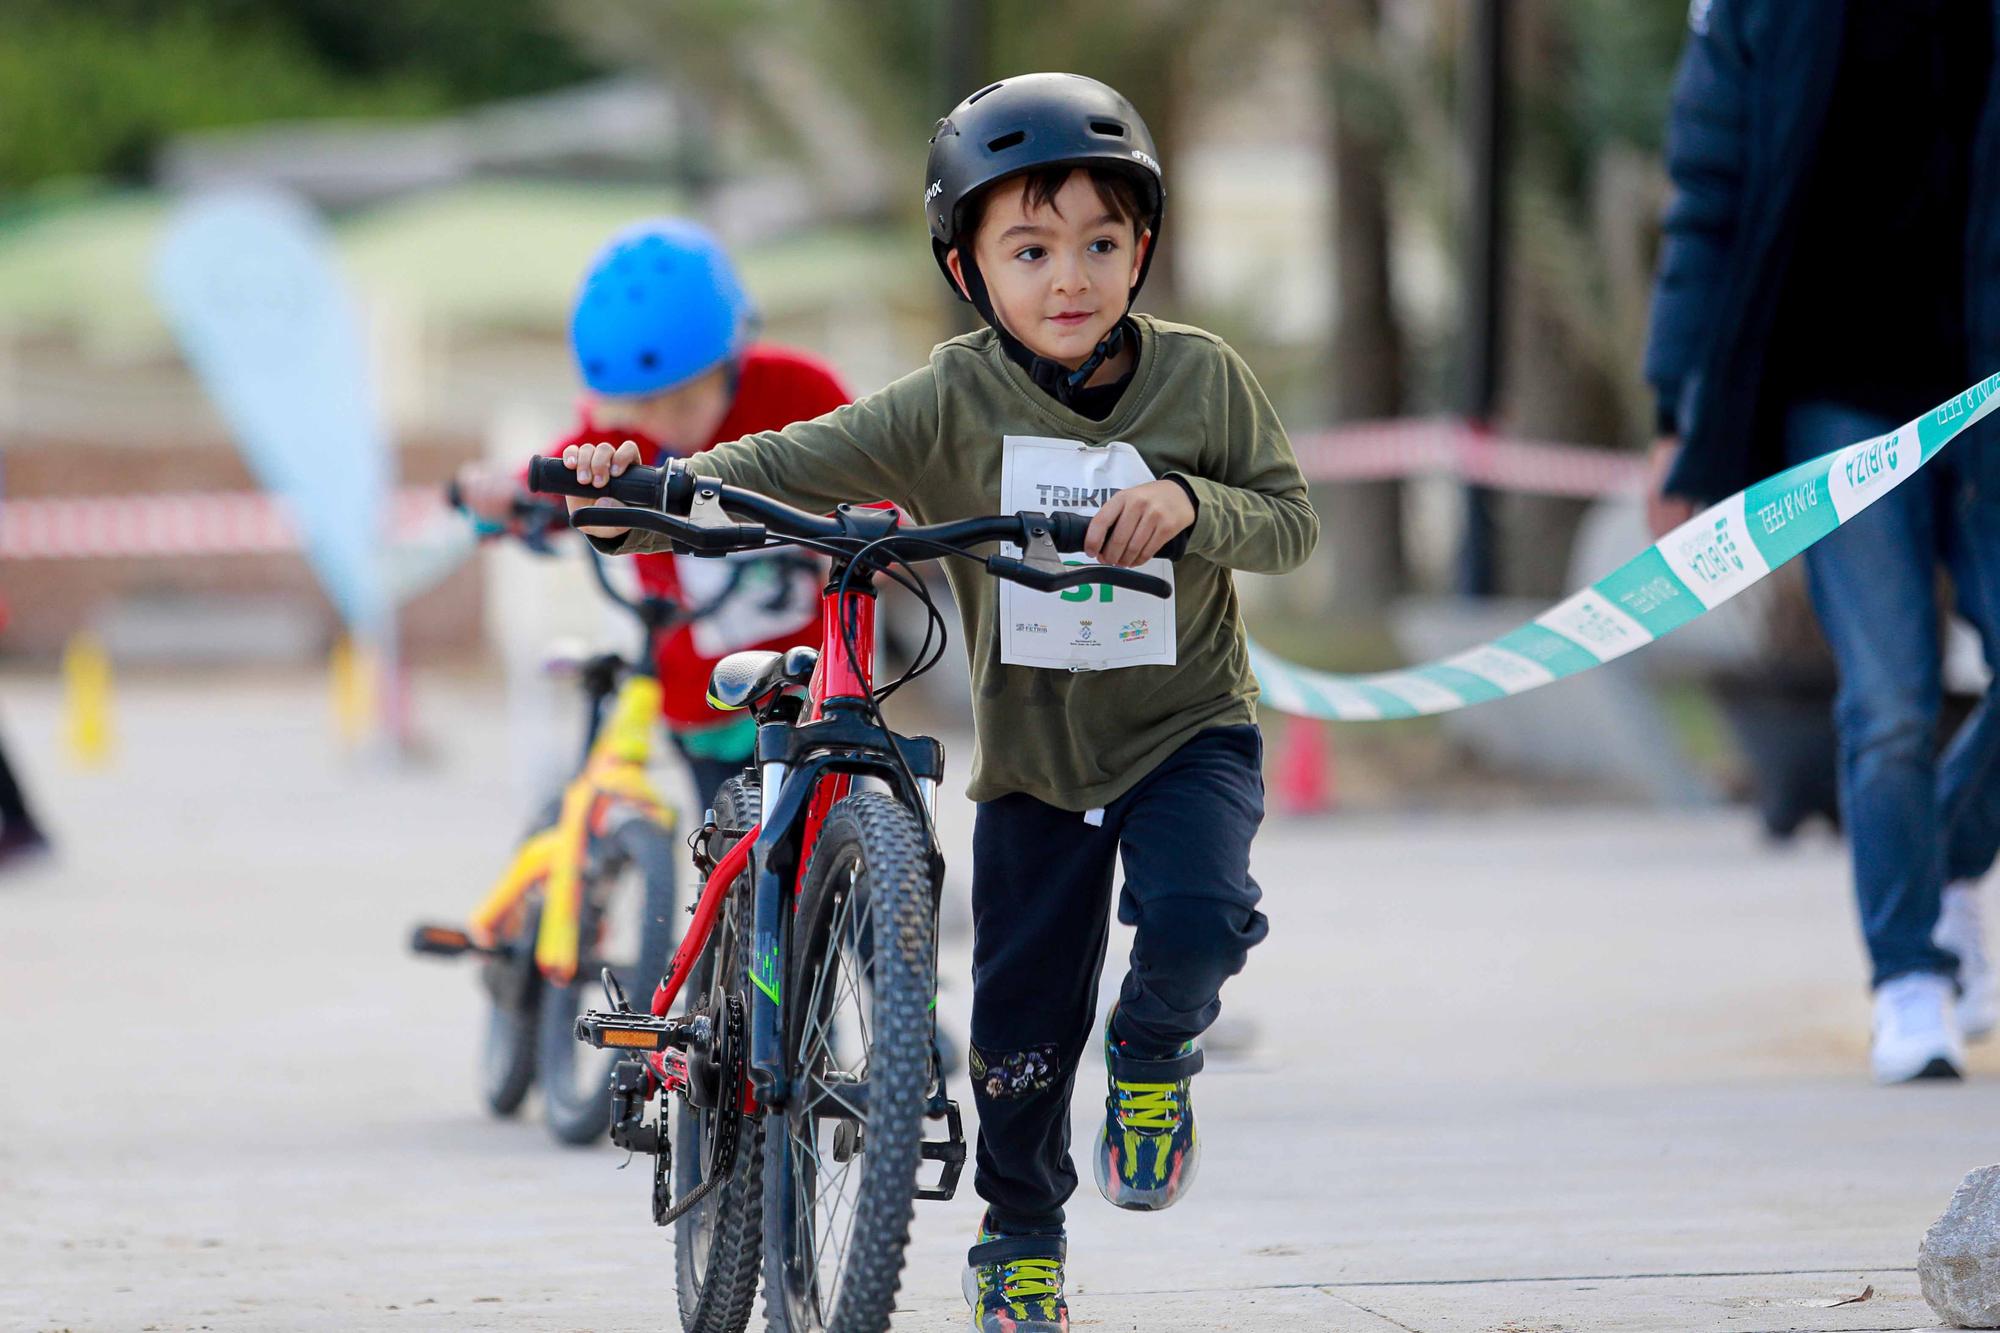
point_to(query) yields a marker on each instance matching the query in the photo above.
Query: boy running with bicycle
(1104, 728)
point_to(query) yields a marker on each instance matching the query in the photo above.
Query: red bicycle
(793, 1036)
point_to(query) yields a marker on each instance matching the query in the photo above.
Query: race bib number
(770, 598)
(1095, 627)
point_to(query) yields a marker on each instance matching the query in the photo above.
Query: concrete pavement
(1525, 1071)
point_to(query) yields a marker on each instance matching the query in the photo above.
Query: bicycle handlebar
(519, 508)
(652, 490)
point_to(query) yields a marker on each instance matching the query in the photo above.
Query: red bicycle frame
(837, 676)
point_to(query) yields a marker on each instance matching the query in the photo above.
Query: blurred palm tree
(850, 88)
(1363, 525)
(1588, 84)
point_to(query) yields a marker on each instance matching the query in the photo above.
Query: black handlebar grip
(639, 486)
(1068, 529)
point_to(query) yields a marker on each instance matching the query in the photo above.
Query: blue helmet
(660, 305)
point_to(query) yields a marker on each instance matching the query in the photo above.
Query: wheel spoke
(802, 1222)
(828, 1128)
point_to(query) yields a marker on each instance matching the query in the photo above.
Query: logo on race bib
(1092, 626)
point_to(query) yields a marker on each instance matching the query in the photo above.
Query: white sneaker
(1916, 1030)
(1961, 928)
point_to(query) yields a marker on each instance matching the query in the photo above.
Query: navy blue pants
(1041, 909)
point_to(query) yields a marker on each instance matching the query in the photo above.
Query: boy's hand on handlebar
(598, 464)
(1137, 523)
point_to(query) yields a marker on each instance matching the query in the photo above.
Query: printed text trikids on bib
(1095, 627)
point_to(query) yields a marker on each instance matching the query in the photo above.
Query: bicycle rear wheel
(841, 1160)
(513, 996)
(719, 1243)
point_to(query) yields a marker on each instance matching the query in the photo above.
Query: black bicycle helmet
(1029, 121)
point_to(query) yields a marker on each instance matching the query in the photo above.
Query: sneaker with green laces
(1014, 1284)
(1147, 1151)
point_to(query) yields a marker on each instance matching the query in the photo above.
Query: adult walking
(1832, 269)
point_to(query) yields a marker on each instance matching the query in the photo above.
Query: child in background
(662, 334)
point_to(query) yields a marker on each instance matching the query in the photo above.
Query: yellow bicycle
(591, 887)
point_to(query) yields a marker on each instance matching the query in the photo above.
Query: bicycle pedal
(443, 942)
(949, 1151)
(625, 1030)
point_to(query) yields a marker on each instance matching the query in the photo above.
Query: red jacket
(777, 387)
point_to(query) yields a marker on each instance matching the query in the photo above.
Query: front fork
(767, 920)
(769, 913)
(784, 793)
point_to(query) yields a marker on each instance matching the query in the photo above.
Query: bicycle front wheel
(841, 1160)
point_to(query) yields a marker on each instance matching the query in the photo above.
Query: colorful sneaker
(1014, 1284)
(1147, 1151)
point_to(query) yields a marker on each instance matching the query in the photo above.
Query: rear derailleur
(698, 1058)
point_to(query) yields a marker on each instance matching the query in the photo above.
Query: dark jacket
(1751, 96)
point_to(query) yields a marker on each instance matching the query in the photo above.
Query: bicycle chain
(722, 1157)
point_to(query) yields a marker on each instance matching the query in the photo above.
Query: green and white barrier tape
(1693, 569)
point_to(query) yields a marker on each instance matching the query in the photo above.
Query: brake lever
(1076, 576)
(1040, 553)
(700, 538)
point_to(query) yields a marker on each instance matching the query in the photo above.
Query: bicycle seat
(746, 680)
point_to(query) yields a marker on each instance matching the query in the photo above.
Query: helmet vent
(1005, 141)
(650, 360)
(1110, 129)
(989, 88)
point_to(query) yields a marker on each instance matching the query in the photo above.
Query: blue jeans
(1916, 821)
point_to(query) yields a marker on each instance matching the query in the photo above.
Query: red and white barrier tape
(184, 524)
(1448, 446)
(251, 523)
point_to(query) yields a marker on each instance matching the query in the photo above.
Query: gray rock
(1959, 1264)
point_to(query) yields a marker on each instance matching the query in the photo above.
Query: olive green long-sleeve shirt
(931, 443)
